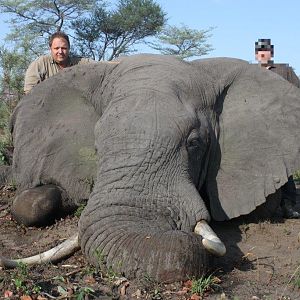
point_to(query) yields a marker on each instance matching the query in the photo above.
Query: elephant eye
(194, 140)
(192, 143)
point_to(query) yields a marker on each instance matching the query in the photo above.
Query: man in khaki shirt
(48, 65)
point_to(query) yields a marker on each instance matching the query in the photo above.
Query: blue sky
(238, 24)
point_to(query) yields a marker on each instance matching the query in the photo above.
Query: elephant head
(158, 146)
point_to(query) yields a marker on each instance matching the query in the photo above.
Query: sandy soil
(262, 262)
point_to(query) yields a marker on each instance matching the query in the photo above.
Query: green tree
(108, 33)
(182, 41)
(13, 64)
(32, 21)
(98, 30)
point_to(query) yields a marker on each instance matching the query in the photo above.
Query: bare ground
(262, 262)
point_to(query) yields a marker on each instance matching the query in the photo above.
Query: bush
(4, 115)
(296, 176)
(5, 137)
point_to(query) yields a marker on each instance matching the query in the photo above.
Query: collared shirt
(45, 67)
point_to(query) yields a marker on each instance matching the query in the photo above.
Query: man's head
(264, 51)
(59, 44)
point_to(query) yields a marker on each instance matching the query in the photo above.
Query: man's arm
(32, 77)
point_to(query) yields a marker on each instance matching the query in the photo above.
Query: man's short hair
(59, 34)
(264, 45)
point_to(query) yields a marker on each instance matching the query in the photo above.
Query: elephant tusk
(57, 253)
(210, 240)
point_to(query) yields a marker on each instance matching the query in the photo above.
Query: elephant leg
(289, 211)
(288, 200)
(267, 209)
(37, 206)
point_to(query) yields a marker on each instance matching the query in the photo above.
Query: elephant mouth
(210, 240)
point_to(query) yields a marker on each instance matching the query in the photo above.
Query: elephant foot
(37, 206)
(288, 210)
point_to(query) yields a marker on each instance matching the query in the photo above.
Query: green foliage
(96, 30)
(203, 284)
(89, 270)
(182, 41)
(107, 33)
(79, 210)
(101, 261)
(111, 274)
(295, 278)
(101, 31)
(102, 268)
(100, 257)
(59, 278)
(21, 282)
(4, 115)
(83, 292)
(5, 138)
(20, 275)
(13, 64)
(296, 175)
(296, 282)
(12, 185)
(33, 21)
(152, 287)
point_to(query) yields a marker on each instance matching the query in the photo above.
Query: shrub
(5, 137)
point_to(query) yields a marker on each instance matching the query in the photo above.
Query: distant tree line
(97, 30)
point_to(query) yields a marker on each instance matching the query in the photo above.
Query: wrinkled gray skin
(163, 131)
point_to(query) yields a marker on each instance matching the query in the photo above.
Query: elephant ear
(258, 141)
(53, 131)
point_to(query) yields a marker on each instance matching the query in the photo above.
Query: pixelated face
(263, 56)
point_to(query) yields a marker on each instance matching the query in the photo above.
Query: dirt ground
(262, 262)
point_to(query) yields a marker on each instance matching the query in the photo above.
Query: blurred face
(60, 51)
(263, 56)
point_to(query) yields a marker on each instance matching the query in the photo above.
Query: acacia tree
(106, 34)
(98, 27)
(100, 31)
(182, 41)
(35, 20)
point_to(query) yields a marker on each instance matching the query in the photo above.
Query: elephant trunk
(177, 264)
(135, 243)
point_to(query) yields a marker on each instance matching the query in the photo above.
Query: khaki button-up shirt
(45, 67)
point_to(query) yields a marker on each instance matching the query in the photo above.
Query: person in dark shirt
(264, 53)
